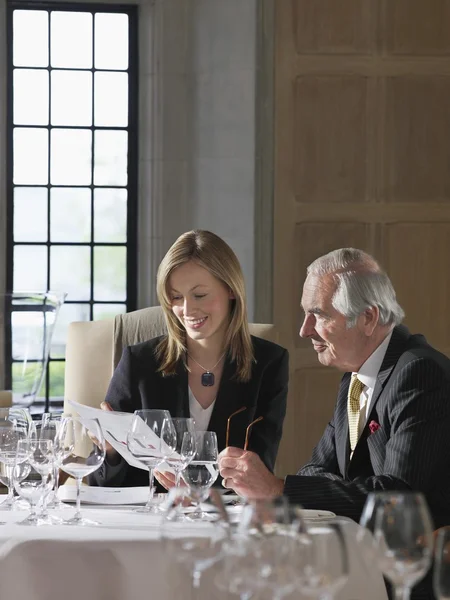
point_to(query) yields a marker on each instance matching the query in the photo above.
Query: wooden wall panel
(416, 259)
(327, 26)
(362, 158)
(417, 139)
(316, 391)
(330, 138)
(417, 27)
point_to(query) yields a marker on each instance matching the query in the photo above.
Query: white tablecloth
(124, 559)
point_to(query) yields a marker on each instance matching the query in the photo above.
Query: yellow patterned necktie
(354, 392)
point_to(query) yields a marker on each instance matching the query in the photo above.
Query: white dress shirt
(200, 415)
(367, 374)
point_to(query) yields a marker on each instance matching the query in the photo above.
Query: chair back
(94, 349)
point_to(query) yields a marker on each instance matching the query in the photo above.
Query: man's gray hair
(361, 284)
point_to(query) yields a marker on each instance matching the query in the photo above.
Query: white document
(115, 426)
(104, 495)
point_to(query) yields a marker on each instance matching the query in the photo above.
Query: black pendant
(208, 379)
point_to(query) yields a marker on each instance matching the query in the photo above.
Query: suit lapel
(230, 397)
(341, 425)
(395, 348)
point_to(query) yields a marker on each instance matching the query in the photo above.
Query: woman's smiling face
(200, 301)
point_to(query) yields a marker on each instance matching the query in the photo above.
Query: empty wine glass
(202, 471)
(79, 455)
(197, 546)
(145, 443)
(325, 562)
(14, 426)
(49, 428)
(441, 575)
(38, 483)
(183, 442)
(402, 537)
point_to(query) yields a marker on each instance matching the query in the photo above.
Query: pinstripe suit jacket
(410, 450)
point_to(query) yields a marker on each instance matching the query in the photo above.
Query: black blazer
(136, 384)
(411, 448)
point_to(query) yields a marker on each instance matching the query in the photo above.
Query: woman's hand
(165, 478)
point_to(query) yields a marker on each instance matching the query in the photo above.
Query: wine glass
(38, 483)
(441, 575)
(78, 455)
(325, 561)
(145, 443)
(202, 471)
(183, 442)
(197, 546)
(49, 428)
(14, 426)
(402, 538)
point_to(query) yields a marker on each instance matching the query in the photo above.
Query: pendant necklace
(208, 378)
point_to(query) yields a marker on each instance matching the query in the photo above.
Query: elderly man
(391, 425)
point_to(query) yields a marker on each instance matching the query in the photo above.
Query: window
(72, 161)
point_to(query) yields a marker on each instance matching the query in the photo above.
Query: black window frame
(131, 243)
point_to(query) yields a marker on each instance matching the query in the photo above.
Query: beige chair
(94, 349)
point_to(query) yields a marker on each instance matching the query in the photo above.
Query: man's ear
(371, 316)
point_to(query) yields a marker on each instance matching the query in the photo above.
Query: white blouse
(200, 415)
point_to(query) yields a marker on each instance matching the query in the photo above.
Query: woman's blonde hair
(213, 254)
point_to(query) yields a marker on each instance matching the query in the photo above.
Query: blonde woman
(208, 366)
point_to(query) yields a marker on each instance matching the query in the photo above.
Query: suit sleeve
(324, 458)
(416, 450)
(122, 395)
(266, 435)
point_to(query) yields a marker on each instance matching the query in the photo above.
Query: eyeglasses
(247, 431)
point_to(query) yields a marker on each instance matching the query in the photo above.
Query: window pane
(30, 25)
(30, 156)
(108, 311)
(71, 98)
(56, 376)
(30, 268)
(111, 41)
(30, 214)
(71, 40)
(70, 271)
(110, 215)
(71, 157)
(30, 97)
(67, 314)
(70, 212)
(111, 99)
(110, 273)
(110, 166)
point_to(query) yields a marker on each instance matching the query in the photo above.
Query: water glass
(37, 484)
(14, 426)
(402, 538)
(203, 470)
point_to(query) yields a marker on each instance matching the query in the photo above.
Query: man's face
(335, 344)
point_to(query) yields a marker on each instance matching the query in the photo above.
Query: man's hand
(245, 473)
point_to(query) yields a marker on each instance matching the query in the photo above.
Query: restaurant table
(125, 559)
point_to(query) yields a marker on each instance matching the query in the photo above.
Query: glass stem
(151, 490)
(196, 577)
(78, 510)
(402, 593)
(177, 479)
(56, 485)
(10, 474)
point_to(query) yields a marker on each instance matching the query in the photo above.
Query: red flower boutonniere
(374, 426)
